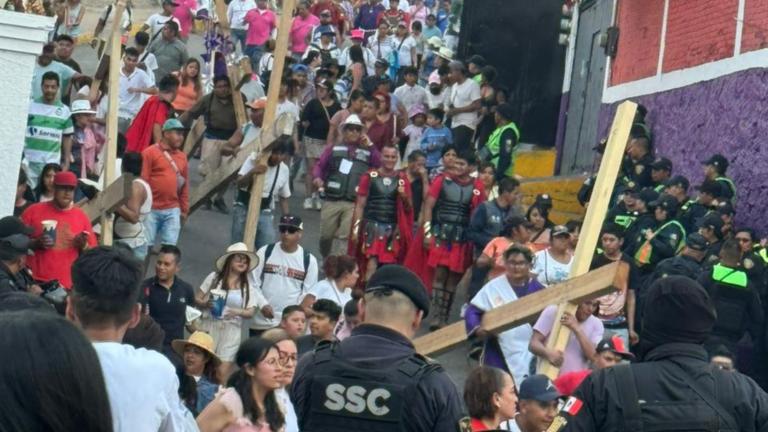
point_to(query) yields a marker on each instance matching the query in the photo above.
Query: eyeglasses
(289, 230)
(286, 358)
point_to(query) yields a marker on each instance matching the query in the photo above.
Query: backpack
(268, 253)
(325, 55)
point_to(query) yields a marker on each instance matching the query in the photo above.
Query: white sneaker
(317, 202)
(307, 203)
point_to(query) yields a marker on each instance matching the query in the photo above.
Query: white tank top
(133, 234)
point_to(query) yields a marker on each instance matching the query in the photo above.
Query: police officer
(661, 171)
(624, 213)
(14, 246)
(691, 214)
(644, 220)
(374, 380)
(711, 228)
(677, 187)
(338, 173)
(714, 170)
(674, 388)
(665, 240)
(501, 147)
(636, 166)
(752, 262)
(735, 298)
(687, 263)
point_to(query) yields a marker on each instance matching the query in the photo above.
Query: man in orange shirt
(57, 249)
(166, 169)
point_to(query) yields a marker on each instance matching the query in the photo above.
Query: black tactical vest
(454, 204)
(345, 173)
(381, 205)
(731, 296)
(346, 397)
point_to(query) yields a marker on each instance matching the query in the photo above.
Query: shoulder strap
(267, 254)
(274, 182)
(625, 382)
(725, 417)
(306, 264)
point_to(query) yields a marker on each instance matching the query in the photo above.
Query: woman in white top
(230, 297)
(129, 223)
(341, 276)
(288, 351)
(553, 264)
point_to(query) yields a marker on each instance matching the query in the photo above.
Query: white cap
(352, 120)
(81, 106)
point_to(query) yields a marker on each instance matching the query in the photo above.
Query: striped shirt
(46, 125)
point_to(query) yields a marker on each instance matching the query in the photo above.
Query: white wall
(21, 39)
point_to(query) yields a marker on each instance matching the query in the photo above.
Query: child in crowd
(86, 144)
(449, 155)
(435, 138)
(415, 130)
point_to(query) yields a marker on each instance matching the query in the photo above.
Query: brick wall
(698, 32)
(755, 34)
(639, 24)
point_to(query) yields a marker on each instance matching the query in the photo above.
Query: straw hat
(202, 340)
(238, 249)
(445, 53)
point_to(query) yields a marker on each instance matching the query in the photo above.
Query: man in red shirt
(165, 168)
(337, 15)
(394, 16)
(146, 127)
(57, 250)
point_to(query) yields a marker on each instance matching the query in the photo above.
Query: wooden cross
(593, 222)
(581, 286)
(107, 201)
(281, 51)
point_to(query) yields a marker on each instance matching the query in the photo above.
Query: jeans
(163, 225)
(265, 228)
(239, 35)
(254, 52)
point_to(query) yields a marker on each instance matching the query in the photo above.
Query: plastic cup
(49, 229)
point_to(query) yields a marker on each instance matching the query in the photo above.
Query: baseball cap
(291, 221)
(398, 278)
(662, 163)
(434, 78)
(559, 230)
(713, 222)
(381, 63)
(696, 242)
(710, 187)
(726, 208)
(539, 388)
(299, 68)
(678, 180)
(357, 34)
(665, 202)
(415, 110)
(614, 344)
(648, 195)
(11, 225)
(477, 60)
(324, 83)
(173, 124)
(402, 24)
(259, 103)
(325, 12)
(65, 178)
(717, 160)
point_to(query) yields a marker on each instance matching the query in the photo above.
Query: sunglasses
(289, 230)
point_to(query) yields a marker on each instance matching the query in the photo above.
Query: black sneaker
(220, 206)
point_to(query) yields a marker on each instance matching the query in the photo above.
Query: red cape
(404, 226)
(139, 133)
(417, 255)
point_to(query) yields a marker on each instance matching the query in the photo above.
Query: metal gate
(586, 92)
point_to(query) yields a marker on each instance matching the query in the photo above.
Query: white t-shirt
(513, 342)
(548, 270)
(285, 281)
(291, 421)
(368, 58)
(125, 22)
(150, 61)
(130, 103)
(438, 101)
(143, 390)
(156, 23)
(288, 107)
(462, 95)
(410, 96)
(236, 13)
(283, 185)
(404, 50)
(380, 48)
(326, 289)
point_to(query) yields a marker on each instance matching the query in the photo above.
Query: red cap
(65, 178)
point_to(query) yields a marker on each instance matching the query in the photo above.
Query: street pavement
(206, 234)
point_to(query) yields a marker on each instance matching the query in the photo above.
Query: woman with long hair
(200, 364)
(288, 360)
(249, 403)
(230, 298)
(316, 121)
(538, 216)
(341, 275)
(190, 86)
(51, 379)
(357, 70)
(491, 398)
(44, 189)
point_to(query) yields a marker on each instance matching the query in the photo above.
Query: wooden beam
(281, 51)
(114, 105)
(104, 54)
(593, 222)
(525, 309)
(108, 200)
(195, 136)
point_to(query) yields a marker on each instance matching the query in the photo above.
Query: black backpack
(268, 253)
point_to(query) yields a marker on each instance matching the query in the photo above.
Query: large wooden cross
(110, 199)
(582, 285)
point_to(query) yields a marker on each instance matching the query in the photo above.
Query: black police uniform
(10, 282)
(635, 235)
(680, 265)
(690, 213)
(373, 381)
(637, 172)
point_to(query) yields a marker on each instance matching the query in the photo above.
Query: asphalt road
(207, 233)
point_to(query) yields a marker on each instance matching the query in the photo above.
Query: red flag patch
(573, 406)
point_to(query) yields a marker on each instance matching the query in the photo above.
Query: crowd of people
(409, 155)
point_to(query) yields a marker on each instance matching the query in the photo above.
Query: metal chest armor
(342, 185)
(381, 205)
(346, 397)
(452, 211)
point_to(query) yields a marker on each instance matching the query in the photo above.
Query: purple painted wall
(728, 115)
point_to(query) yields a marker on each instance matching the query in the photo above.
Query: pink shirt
(573, 356)
(300, 27)
(183, 13)
(260, 25)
